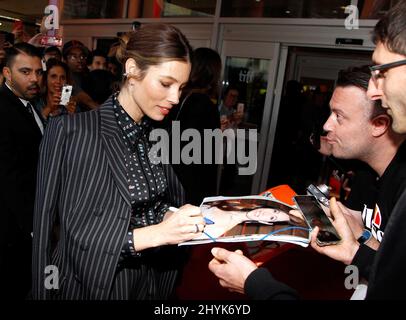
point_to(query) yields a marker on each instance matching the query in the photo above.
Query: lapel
(19, 107)
(113, 144)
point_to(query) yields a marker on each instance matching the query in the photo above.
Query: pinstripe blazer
(82, 181)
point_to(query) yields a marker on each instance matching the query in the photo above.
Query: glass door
(245, 107)
(308, 83)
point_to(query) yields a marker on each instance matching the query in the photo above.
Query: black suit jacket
(19, 144)
(82, 180)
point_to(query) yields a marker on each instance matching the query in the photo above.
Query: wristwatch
(366, 235)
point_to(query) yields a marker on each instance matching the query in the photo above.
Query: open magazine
(251, 218)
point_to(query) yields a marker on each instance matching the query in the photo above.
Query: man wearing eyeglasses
(386, 273)
(75, 54)
(388, 80)
(357, 128)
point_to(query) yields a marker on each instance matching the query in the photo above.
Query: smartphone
(65, 95)
(316, 217)
(51, 41)
(240, 108)
(44, 65)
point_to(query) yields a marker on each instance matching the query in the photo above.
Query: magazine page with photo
(251, 218)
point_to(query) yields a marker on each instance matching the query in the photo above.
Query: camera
(320, 192)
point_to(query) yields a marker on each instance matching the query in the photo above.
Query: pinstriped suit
(82, 179)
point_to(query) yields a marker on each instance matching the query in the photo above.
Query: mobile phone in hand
(66, 94)
(316, 217)
(240, 107)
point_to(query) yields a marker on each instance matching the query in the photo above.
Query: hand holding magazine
(251, 218)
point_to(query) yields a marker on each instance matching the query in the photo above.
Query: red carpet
(313, 275)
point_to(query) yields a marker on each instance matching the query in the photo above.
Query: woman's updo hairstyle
(152, 44)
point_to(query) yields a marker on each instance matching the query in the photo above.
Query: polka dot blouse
(146, 181)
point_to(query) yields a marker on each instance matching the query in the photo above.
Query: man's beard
(23, 92)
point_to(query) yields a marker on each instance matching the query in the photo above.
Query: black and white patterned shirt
(146, 181)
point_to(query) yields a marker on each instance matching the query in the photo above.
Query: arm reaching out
(232, 268)
(186, 224)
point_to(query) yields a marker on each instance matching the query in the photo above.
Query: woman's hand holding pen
(186, 224)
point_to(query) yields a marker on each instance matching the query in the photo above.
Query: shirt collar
(132, 130)
(25, 102)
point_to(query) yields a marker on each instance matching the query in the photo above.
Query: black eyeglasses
(74, 58)
(377, 69)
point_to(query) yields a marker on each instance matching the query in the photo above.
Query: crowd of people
(80, 192)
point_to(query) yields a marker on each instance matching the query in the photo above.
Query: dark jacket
(199, 180)
(19, 144)
(387, 276)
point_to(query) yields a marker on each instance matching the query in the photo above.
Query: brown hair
(391, 29)
(359, 77)
(206, 70)
(152, 44)
(52, 62)
(20, 48)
